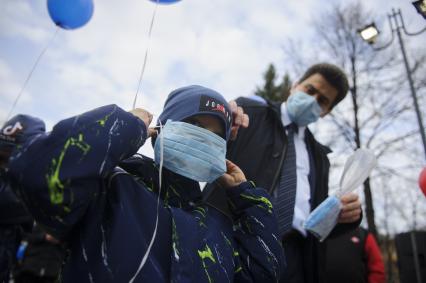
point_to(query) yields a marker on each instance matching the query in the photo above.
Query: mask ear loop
(154, 234)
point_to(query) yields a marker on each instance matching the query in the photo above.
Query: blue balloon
(165, 1)
(70, 14)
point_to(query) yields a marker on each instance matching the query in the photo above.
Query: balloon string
(146, 55)
(154, 234)
(31, 73)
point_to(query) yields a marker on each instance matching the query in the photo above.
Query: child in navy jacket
(85, 184)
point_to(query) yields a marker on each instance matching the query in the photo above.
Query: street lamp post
(369, 34)
(396, 23)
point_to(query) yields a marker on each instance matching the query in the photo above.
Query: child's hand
(146, 117)
(233, 176)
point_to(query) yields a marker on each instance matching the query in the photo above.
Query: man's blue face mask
(191, 151)
(303, 108)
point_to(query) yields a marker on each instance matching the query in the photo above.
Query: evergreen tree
(271, 90)
(285, 87)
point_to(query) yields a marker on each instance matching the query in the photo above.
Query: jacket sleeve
(58, 174)
(259, 252)
(375, 266)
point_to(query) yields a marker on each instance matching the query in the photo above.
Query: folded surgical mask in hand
(357, 169)
(323, 219)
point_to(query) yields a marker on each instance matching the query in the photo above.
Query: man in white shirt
(278, 152)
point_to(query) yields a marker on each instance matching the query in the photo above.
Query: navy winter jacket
(85, 185)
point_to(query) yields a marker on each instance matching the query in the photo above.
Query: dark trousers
(299, 257)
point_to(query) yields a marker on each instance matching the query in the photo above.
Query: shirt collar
(285, 120)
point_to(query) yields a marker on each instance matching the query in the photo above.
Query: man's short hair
(333, 75)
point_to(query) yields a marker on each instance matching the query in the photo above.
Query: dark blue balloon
(165, 1)
(70, 14)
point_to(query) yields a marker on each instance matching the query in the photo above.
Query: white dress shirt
(302, 206)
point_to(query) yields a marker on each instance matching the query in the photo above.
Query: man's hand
(233, 176)
(146, 117)
(239, 119)
(351, 208)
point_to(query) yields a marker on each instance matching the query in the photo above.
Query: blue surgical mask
(303, 108)
(191, 151)
(323, 219)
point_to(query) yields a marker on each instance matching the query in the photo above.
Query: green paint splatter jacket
(85, 185)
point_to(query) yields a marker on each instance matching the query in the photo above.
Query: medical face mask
(324, 218)
(302, 108)
(191, 151)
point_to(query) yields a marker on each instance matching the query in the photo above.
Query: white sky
(222, 44)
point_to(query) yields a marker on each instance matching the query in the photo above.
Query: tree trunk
(369, 211)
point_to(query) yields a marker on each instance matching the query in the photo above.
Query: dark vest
(346, 260)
